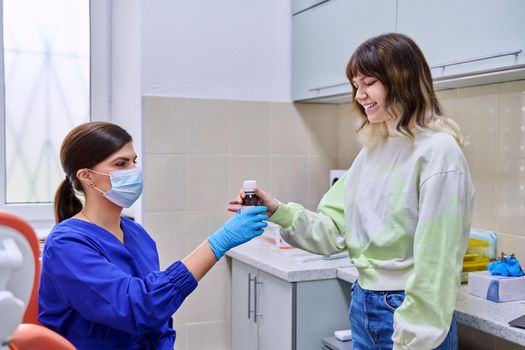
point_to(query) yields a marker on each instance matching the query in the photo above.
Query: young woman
(402, 210)
(101, 287)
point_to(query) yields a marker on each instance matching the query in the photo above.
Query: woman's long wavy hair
(84, 147)
(397, 62)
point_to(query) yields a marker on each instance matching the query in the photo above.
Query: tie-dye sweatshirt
(403, 212)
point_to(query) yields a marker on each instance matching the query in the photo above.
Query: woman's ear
(84, 177)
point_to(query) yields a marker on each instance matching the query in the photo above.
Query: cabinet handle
(309, 8)
(250, 294)
(328, 87)
(482, 58)
(255, 314)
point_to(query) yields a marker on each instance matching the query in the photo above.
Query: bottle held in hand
(250, 199)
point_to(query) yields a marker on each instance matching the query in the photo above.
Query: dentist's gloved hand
(240, 229)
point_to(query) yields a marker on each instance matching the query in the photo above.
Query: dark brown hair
(84, 147)
(396, 61)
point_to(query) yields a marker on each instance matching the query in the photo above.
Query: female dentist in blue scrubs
(101, 286)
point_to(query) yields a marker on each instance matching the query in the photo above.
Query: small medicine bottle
(251, 199)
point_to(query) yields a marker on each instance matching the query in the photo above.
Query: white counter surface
(295, 265)
(292, 265)
(490, 317)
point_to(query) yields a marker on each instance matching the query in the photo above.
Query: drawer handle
(482, 58)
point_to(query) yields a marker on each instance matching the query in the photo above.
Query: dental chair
(19, 283)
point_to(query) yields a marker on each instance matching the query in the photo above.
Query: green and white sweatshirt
(403, 212)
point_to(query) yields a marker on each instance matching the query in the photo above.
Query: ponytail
(67, 203)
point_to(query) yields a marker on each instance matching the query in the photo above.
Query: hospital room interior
(244, 200)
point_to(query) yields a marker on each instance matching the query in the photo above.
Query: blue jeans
(372, 320)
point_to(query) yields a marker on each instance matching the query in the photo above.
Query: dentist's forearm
(200, 261)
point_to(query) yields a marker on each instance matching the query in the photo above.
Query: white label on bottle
(245, 207)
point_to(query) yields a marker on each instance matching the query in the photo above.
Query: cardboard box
(496, 288)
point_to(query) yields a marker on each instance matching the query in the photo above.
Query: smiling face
(371, 94)
(392, 83)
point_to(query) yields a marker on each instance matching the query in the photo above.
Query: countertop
(292, 265)
(295, 265)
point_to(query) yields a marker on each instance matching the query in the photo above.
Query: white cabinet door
(261, 310)
(275, 319)
(244, 327)
(454, 31)
(324, 38)
(322, 308)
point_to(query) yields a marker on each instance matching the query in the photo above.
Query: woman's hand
(266, 200)
(238, 230)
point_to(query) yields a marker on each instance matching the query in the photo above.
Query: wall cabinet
(324, 38)
(469, 42)
(451, 32)
(269, 313)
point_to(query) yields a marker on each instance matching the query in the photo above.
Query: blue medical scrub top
(101, 294)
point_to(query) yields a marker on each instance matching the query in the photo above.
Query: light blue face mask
(126, 186)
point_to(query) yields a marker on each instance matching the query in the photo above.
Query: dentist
(101, 286)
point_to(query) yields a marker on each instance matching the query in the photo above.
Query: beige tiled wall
(197, 152)
(493, 119)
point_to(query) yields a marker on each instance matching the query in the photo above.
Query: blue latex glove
(508, 266)
(238, 230)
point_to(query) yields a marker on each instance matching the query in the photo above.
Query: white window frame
(40, 215)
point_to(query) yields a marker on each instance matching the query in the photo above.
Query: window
(55, 52)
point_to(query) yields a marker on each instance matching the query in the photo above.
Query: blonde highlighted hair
(399, 64)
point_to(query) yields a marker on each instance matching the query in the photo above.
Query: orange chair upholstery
(20, 225)
(30, 334)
